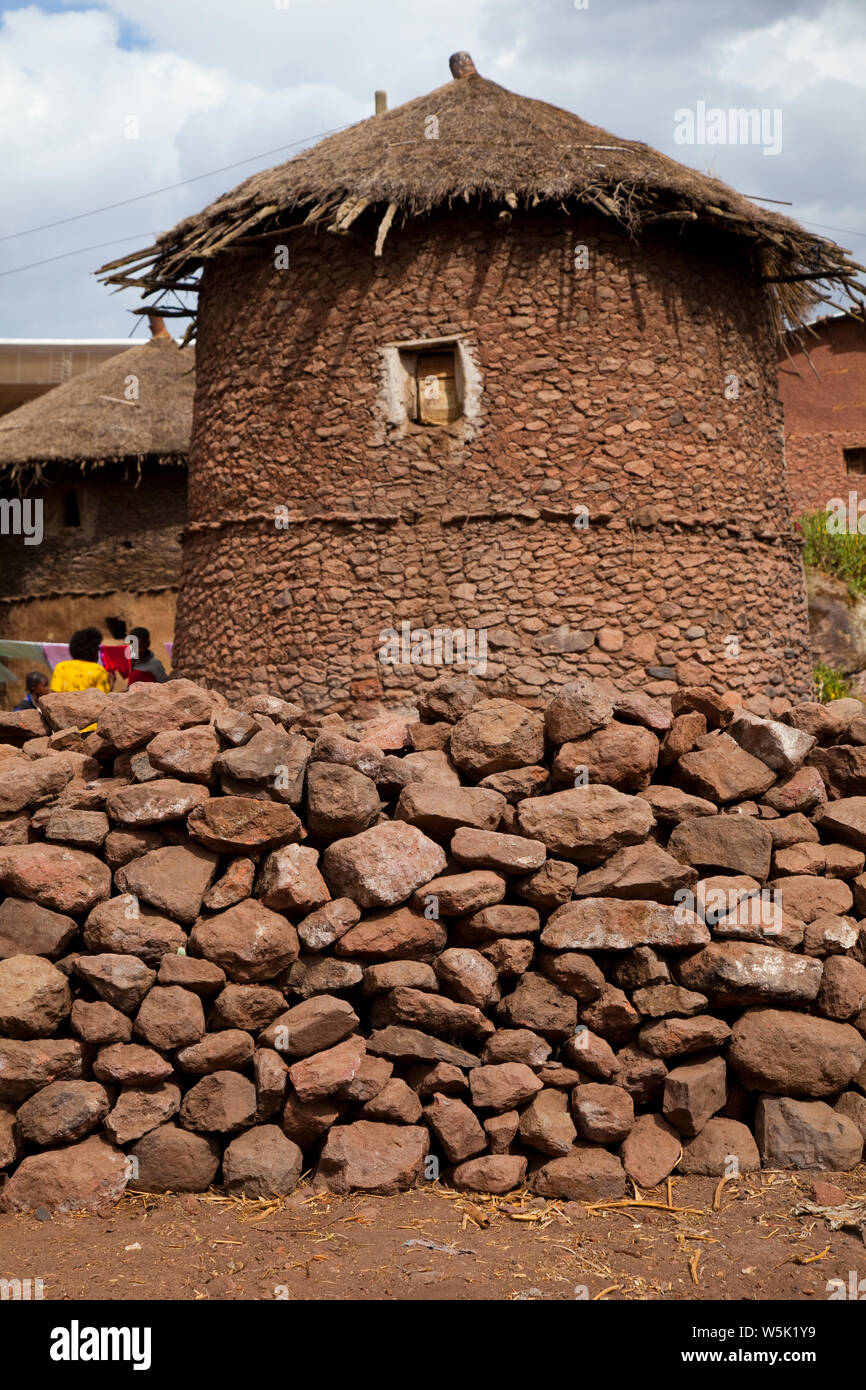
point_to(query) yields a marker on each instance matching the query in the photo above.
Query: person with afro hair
(83, 670)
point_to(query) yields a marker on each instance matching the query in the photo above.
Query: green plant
(830, 684)
(842, 555)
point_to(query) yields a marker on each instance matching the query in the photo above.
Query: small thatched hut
(475, 364)
(106, 456)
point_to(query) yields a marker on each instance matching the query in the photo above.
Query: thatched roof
(88, 420)
(492, 147)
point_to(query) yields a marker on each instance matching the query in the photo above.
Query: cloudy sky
(107, 100)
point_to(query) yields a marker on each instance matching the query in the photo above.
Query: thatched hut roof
(491, 147)
(89, 421)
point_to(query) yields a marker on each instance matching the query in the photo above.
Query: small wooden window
(71, 513)
(437, 397)
(855, 460)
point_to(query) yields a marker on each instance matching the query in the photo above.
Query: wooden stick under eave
(384, 228)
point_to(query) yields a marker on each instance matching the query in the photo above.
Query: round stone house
(481, 384)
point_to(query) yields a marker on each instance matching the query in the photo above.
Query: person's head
(84, 644)
(142, 637)
(37, 684)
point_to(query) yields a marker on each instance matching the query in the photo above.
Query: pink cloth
(54, 652)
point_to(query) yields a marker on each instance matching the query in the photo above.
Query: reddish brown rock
(64, 880)
(455, 894)
(70, 826)
(548, 887)
(716, 709)
(494, 736)
(486, 849)
(604, 1114)
(27, 1066)
(611, 1015)
(724, 772)
(493, 1173)
(395, 1103)
(650, 1151)
(576, 710)
(201, 976)
(411, 1045)
(440, 810)
(131, 1064)
(539, 1004)
(249, 942)
(30, 930)
(641, 1075)
(235, 885)
(146, 710)
(609, 924)
(588, 1174)
(29, 783)
(271, 1078)
(340, 801)
(574, 973)
(784, 1052)
(262, 1163)
(843, 989)
(723, 1148)
(411, 974)
(186, 753)
(171, 1159)
(306, 1121)
(502, 1086)
(546, 1125)
(732, 972)
(511, 958)
(619, 755)
(231, 1049)
(694, 1092)
(163, 799)
(122, 981)
(723, 844)
(456, 1128)
(323, 975)
(844, 819)
(383, 865)
(586, 824)
(371, 1157)
(803, 791)
(430, 1012)
(34, 997)
(326, 925)
(805, 1134)
(662, 1001)
(87, 1176)
(62, 1112)
(290, 881)
(328, 1072)
(139, 1110)
(516, 1045)
(310, 1027)
(467, 977)
(235, 824)
(122, 926)
(591, 1054)
(672, 1037)
(398, 935)
(100, 1023)
(806, 897)
(221, 1103)
(247, 1007)
(503, 919)
(437, 1076)
(173, 880)
(830, 936)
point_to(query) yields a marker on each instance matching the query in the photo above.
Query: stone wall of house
(613, 500)
(823, 388)
(104, 529)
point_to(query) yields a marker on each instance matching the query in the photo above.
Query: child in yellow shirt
(82, 671)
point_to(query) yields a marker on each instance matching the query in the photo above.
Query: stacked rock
(488, 945)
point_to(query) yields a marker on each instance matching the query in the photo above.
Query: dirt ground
(691, 1239)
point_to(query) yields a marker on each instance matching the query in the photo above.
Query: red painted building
(822, 382)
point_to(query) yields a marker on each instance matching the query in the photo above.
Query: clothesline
(49, 653)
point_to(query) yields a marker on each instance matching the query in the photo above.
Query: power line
(142, 236)
(846, 231)
(169, 187)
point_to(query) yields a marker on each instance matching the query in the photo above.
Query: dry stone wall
(491, 946)
(628, 386)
